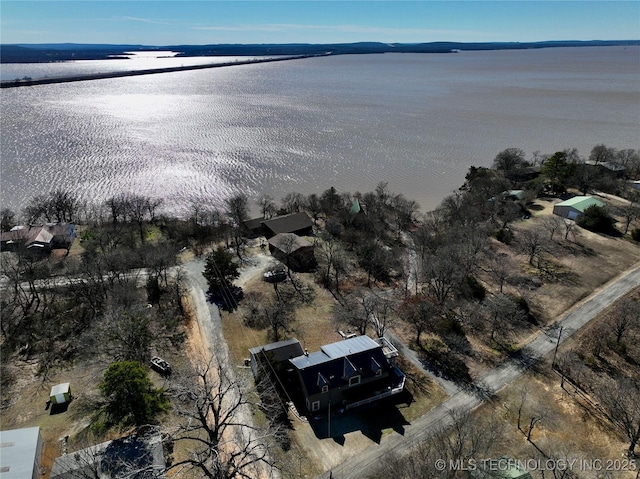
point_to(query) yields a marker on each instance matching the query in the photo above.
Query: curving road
(492, 381)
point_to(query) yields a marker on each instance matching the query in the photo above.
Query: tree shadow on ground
(447, 365)
(575, 248)
(371, 420)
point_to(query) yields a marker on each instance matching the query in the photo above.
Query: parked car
(160, 365)
(275, 276)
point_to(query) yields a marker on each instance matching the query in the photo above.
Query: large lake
(416, 121)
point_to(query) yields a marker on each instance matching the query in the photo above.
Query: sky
(175, 22)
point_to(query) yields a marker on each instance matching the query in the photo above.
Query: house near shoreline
(294, 252)
(574, 207)
(344, 375)
(297, 223)
(38, 238)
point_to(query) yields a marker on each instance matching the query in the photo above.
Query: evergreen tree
(131, 395)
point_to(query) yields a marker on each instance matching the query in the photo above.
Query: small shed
(574, 207)
(60, 393)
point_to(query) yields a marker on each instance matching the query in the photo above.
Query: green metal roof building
(574, 207)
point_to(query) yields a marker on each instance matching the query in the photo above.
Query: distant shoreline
(130, 73)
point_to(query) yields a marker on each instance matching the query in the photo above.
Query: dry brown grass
(583, 265)
(568, 430)
(313, 326)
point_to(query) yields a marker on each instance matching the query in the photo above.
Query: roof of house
(36, 234)
(289, 223)
(114, 459)
(337, 350)
(289, 348)
(355, 207)
(581, 203)
(289, 242)
(18, 449)
(254, 223)
(336, 363)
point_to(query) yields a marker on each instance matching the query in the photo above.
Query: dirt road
(492, 381)
(212, 343)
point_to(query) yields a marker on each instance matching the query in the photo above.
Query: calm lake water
(417, 121)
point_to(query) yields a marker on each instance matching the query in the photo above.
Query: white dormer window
(354, 380)
(325, 389)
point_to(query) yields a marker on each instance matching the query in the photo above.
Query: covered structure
(273, 354)
(38, 238)
(131, 457)
(298, 223)
(20, 453)
(574, 207)
(295, 252)
(60, 393)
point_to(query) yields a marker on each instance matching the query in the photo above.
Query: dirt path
(495, 379)
(253, 267)
(207, 341)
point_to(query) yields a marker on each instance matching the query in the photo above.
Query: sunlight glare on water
(416, 121)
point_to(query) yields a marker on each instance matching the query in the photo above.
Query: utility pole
(555, 352)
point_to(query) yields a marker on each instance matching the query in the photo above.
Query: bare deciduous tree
(500, 268)
(467, 438)
(267, 206)
(625, 317)
(293, 202)
(552, 224)
(532, 243)
(503, 314)
(620, 401)
(221, 439)
(419, 311)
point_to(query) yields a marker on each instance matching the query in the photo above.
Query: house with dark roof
(38, 238)
(298, 223)
(253, 228)
(295, 252)
(270, 356)
(130, 457)
(348, 374)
